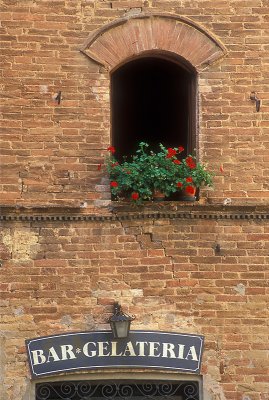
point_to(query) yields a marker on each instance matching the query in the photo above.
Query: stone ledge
(123, 211)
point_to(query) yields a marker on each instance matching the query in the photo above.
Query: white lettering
(168, 348)
(129, 349)
(153, 347)
(102, 346)
(86, 349)
(67, 350)
(181, 348)
(52, 354)
(141, 348)
(192, 353)
(114, 350)
(38, 357)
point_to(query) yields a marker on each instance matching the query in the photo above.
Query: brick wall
(50, 151)
(63, 274)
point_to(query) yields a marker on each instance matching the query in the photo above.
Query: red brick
(172, 278)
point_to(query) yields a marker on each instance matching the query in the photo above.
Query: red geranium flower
(179, 184)
(190, 189)
(114, 164)
(99, 167)
(189, 179)
(180, 149)
(135, 196)
(114, 184)
(111, 149)
(221, 169)
(190, 162)
(177, 162)
(171, 152)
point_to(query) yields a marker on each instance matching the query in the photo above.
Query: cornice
(128, 212)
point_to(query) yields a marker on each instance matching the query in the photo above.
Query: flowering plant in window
(194, 174)
(149, 171)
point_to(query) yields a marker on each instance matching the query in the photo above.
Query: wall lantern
(120, 323)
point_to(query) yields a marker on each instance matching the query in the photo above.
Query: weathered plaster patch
(27, 395)
(240, 289)
(22, 244)
(66, 320)
(212, 389)
(133, 11)
(89, 322)
(18, 311)
(170, 320)
(2, 363)
(17, 390)
(43, 89)
(115, 294)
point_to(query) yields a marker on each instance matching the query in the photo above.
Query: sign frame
(119, 361)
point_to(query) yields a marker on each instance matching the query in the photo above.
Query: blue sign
(72, 352)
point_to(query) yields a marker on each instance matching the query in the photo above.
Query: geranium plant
(148, 171)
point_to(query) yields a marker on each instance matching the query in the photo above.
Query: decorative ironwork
(85, 390)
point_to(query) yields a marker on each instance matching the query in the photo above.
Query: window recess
(153, 100)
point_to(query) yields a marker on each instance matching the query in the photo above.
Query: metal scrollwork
(43, 392)
(85, 388)
(191, 391)
(126, 391)
(148, 389)
(75, 390)
(68, 389)
(109, 391)
(166, 389)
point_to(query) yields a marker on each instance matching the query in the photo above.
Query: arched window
(154, 101)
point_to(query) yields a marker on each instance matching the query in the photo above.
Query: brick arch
(127, 38)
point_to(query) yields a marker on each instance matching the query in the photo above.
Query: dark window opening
(153, 100)
(146, 390)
